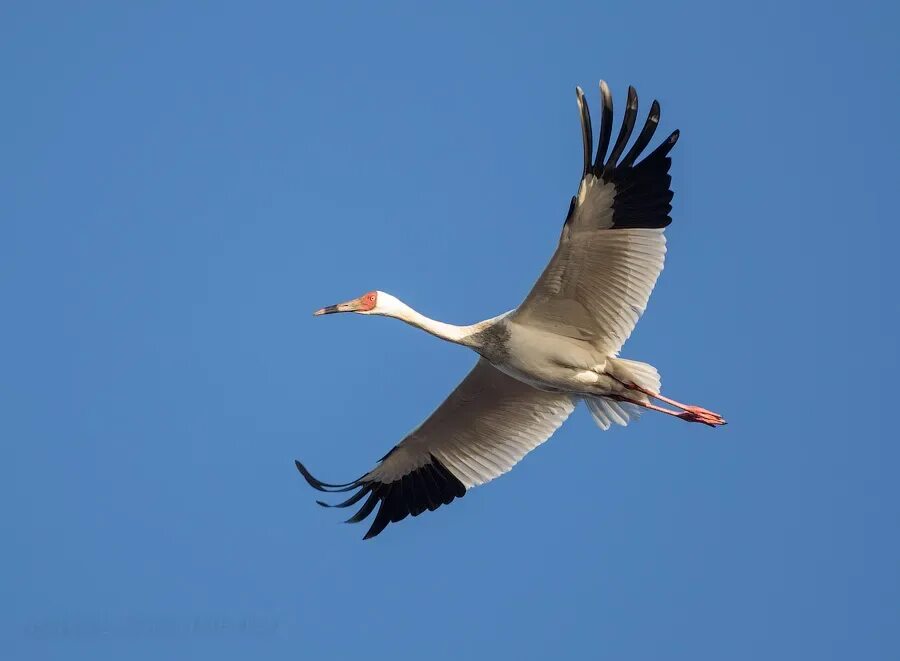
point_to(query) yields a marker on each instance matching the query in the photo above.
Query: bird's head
(373, 302)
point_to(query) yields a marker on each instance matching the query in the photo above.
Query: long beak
(349, 306)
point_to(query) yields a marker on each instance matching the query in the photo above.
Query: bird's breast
(544, 360)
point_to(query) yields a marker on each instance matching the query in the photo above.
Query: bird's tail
(607, 411)
(636, 372)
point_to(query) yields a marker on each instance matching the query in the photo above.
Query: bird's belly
(548, 362)
(541, 382)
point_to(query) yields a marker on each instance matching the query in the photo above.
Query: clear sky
(184, 183)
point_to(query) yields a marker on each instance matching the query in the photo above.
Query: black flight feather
(631, 107)
(606, 120)
(644, 138)
(587, 137)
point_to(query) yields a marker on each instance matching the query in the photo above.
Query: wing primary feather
(457, 488)
(662, 150)
(324, 486)
(395, 502)
(422, 490)
(411, 497)
(606, 120)
(644, 138)
(433, 487)
(383, 517)
(587, 137)
(631, 107)
(427, 487)
(445, 491)
(365, 510)
(352, 500)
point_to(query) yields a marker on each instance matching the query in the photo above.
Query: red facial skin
(368, 301)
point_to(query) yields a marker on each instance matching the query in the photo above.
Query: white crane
(559, 347)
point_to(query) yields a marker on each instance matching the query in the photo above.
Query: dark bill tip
(330, 309)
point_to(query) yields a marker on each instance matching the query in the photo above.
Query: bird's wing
(480, 432)
(612, 246)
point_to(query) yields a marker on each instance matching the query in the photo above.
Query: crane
(559, 347)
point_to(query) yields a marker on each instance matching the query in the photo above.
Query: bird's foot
(697, 414)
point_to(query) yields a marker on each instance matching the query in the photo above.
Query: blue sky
(184, 185)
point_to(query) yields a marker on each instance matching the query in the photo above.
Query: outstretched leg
(689, 413)
(694, 414)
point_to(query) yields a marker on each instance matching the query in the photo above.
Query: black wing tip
(606, 119)
(632, 102)
(644, 137)
(587, 136)
(310, 480)
(319, 485)
(606, 95)
(426, 488)
(643, 188)
(606, 167)
(661, 153)
(625, 130)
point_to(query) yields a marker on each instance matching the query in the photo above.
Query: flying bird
(559, 347)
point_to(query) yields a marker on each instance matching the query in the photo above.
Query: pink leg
(690, 413)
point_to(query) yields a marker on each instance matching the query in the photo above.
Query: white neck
(390, 306)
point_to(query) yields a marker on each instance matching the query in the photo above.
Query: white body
(553, 363)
